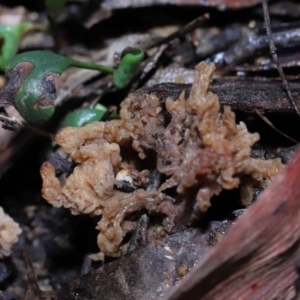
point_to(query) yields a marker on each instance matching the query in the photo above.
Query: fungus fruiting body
(198, 150)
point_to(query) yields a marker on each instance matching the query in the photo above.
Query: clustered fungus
(9, 233)
(197, 150)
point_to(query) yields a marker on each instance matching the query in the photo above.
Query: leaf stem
(91, 66)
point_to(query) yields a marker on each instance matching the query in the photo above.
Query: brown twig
(24, 125)
(182, 31)
(275, 57)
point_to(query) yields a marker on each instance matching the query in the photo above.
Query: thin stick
(182, 31)
(24, 125)
(275, 58)
(267, 121)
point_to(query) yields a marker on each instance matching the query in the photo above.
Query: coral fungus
(9, 233)
(198, 149)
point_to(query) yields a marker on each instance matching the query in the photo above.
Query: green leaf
(85, 116)
(11, 35)
(113, 116)
(101, 108)
(35, 98)
(127, 68)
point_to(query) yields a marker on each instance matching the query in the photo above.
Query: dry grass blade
(267, 121)
(33, 291)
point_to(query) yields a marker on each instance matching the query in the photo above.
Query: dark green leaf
(127, 68)
(84, 116)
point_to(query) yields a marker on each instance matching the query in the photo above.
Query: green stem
(85, 65)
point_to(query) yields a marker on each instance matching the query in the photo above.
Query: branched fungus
(198, 149)
(9, 233)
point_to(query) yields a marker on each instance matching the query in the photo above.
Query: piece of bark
(240, 95)
(257, 258)
(146, 273)
(60, 164)
(250, 95)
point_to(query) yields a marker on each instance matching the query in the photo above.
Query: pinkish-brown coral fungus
(9, 233)
(199, 150)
